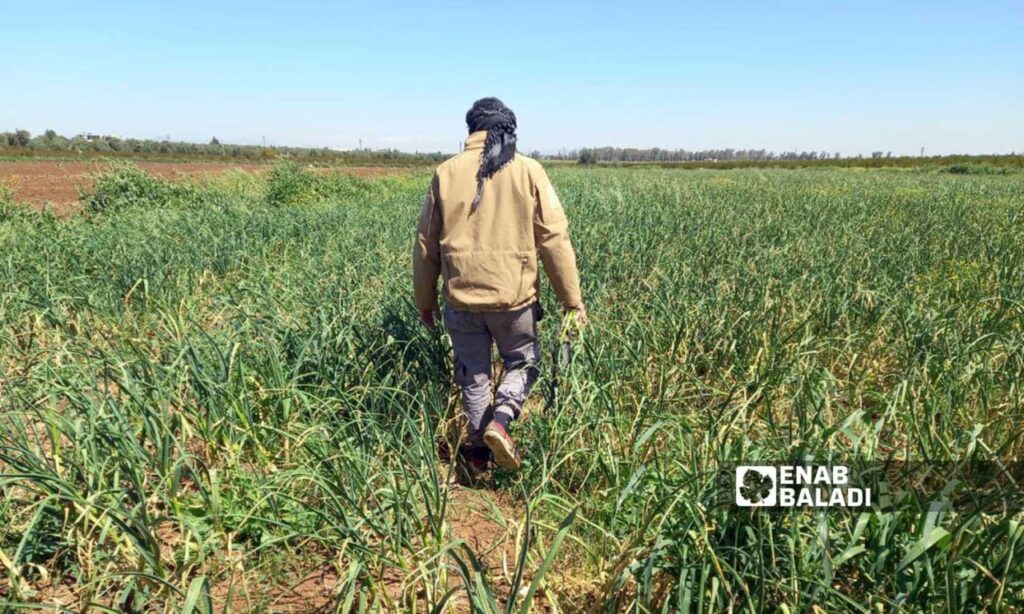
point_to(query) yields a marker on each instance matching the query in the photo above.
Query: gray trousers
(515, 333)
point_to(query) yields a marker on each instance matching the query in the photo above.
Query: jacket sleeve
(426, 253)
(551, 234)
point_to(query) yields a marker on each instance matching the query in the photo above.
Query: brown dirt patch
(38, 182)
(309, 592)
(488, 522)
(476, 518)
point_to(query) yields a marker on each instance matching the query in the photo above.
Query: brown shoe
(504, 449)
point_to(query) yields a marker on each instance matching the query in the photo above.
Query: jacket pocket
(490, 280)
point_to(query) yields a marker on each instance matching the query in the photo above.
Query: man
(488, 213)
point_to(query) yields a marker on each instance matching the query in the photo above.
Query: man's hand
(581, 314)
(427, 318)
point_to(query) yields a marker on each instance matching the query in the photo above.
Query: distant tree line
(22, 143)
(593, 155)
(761, 158)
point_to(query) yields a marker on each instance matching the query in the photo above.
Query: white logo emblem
(800, 486)
(756, 486)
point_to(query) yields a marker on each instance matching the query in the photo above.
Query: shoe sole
(504, 453)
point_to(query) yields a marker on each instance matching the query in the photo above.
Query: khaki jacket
(488, 257)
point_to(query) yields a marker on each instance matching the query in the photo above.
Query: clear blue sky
(827, 75)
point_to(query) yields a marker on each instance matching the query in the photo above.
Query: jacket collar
(475, 140)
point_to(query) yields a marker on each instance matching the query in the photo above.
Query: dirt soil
(38, 182)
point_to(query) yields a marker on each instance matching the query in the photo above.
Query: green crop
(208, 392)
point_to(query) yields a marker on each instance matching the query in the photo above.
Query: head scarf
(499, 121)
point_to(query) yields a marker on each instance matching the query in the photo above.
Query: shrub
(124, 186)
(289, 184)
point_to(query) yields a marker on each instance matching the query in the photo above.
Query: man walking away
(487, 215)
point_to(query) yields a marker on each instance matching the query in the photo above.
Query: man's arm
(426, 254)
(551, 234)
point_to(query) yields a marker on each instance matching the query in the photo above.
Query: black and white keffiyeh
(499, 121)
